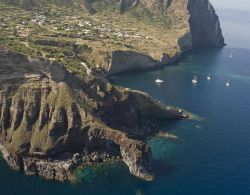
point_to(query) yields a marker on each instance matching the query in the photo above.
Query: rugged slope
(134, 34)
(51, 122)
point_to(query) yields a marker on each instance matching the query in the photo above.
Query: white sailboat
(159, 81)
(231, 56)
(195, 80)
(209, 77)
(228, 83)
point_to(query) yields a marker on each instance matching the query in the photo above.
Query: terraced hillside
(114, 36)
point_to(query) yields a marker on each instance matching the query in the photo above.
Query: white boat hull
(159, 81)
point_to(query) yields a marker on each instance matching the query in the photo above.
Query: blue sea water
(213, 153)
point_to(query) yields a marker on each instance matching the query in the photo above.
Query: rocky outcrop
(204, 25)
(52, 122)
(198, 15)
(138, 160)
(197, 18)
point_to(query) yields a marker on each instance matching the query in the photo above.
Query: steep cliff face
(196, 15)
(122, 61)
(204, 25)
(200, 29)
(51, 122)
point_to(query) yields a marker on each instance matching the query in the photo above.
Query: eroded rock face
(137, 156)
(51, 122)
(122, 61)
(204, 24)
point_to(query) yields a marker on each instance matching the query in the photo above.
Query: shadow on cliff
(183, 58)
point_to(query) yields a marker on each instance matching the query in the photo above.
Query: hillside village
(72, 37)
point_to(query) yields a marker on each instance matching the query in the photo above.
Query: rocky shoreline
(52, 122)
(61, 167)
(128, 61)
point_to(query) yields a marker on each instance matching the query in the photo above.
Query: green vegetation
(70, 35)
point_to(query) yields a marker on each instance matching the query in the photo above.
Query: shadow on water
(161, 168)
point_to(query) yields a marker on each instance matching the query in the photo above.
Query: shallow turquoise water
(212, 159)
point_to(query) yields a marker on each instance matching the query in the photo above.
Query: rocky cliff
(197, 19)
(204, 25)
(52, 122)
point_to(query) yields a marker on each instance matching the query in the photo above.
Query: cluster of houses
(4, 23)
(76, 27)
(129, 35)
(91, 28)
(39, 19)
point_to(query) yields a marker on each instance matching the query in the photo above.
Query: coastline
(50, 116)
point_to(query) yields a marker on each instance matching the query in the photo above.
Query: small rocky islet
(56, 117)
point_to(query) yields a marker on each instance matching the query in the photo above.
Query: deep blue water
(211, 159)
